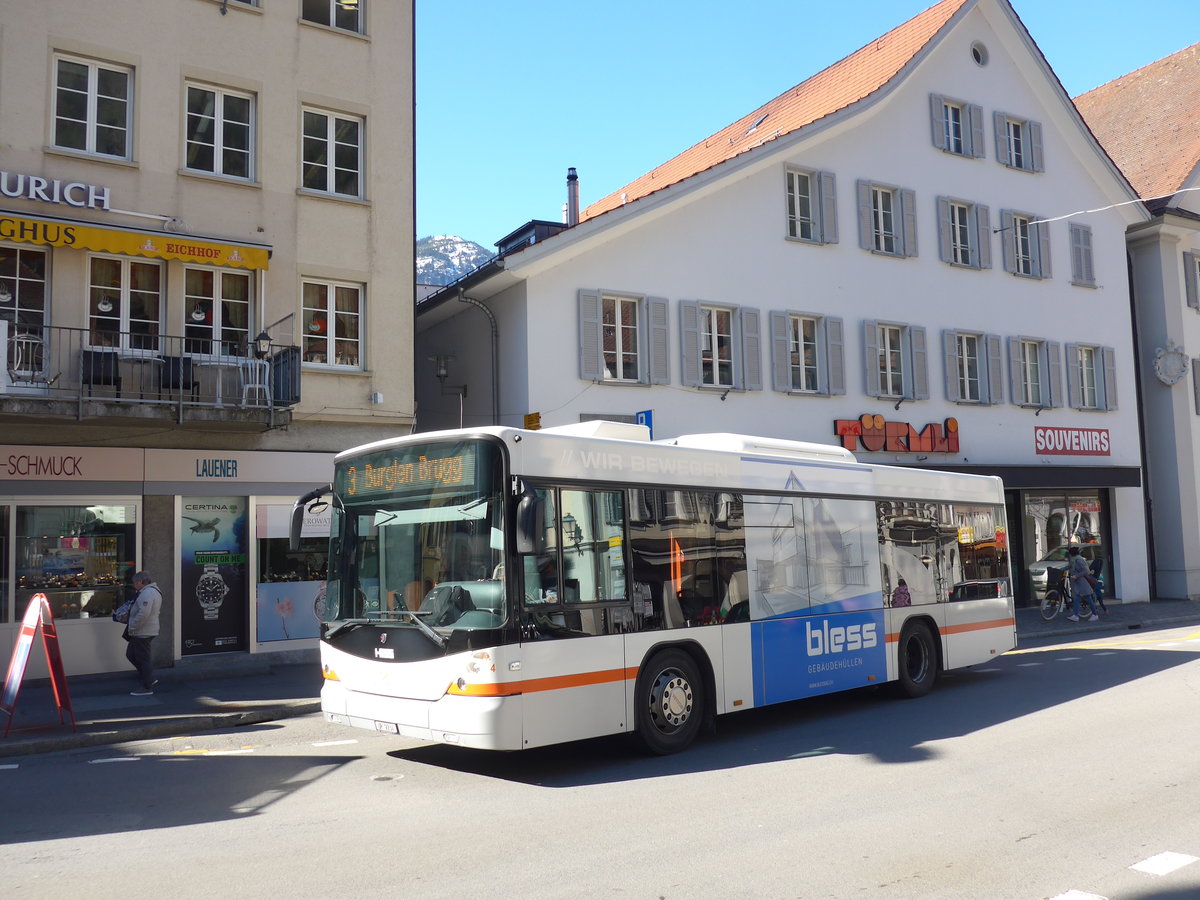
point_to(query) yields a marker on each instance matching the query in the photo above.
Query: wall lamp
(262, 344)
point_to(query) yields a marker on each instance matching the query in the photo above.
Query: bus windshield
(418, 537)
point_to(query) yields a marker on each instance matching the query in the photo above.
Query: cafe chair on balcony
(100, 368)
(177, 376)
(255, 375)
(29, 361)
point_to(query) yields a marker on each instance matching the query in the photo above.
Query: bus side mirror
(297, 522)
(530, 523)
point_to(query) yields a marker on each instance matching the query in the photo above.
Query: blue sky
(509, 95)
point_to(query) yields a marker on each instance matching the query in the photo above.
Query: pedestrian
(901, 596)
(1081, 589)
(142, 630)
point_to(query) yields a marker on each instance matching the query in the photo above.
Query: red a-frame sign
(37, 614)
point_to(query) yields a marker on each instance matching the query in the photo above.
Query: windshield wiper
(345, 625)
(415, 615)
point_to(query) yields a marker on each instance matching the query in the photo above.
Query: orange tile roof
(1149, 122)
(841, 85)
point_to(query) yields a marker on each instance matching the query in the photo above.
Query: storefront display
(1053, 522)
(291, 583)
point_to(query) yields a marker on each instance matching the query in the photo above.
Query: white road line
(1078, 895)
(96, 762)
(355, 740)
(1164, 863)
(10, 766)
(1068, 658)
(1025, 665)
(229, 752)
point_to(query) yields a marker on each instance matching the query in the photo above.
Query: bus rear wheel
(916, 661)
(669, 702)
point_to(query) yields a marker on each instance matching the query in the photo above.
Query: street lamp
(262, 344)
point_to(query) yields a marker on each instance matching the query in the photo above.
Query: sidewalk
(227, 692)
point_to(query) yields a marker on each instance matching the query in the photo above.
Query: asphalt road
(1059, 768)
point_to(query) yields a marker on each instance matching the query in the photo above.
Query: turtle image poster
(214, 577)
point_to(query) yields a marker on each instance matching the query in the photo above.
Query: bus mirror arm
(298, 514)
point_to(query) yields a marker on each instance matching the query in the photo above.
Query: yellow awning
(160, 245)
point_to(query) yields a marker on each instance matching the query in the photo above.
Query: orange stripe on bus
(534, 685)
(893, 637)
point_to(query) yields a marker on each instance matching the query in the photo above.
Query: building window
(623, 338)
(332, 323)
(346, 15)
(887, 219)
(974, 367)
(1083, 269)
(1191, 278)
(125, 303)
(1091, 377)
(811, 206)
(1018, 143)
(964, 233)
(1035, 369)
(220, 132)
(1026, 244)
(93, 106)
(23, 289)
(218, 305)
(720, 346)
(807, 353)
(957, 126)
(896, 364)
(332, 153)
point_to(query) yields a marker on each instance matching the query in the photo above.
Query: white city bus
(504, 589)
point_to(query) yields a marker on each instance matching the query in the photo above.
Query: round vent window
(979, 53)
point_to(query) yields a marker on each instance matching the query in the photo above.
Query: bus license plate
(387, 728)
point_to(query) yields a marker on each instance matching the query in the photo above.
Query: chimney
(572, 197)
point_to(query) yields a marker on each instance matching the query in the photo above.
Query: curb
(167, 728)
(1106, 628)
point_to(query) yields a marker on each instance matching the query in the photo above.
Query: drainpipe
(463, 298)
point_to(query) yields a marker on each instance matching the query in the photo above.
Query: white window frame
(649, 337)
(716, 346)
(824, 373)
(222, 130)
(213, 307)
(126, 339)
(964, 233)
(957, 126)
(623, 336)
(811, 206)
(329, 143)
(974, 367)
(336, 350)
(25, 299)
(92, 101)
(701, 355)
(1026, 241)
(331, 11)
(887, 222)
(896, 360)
(1091, 377)
(1035, 372)
(1033, 385)
(1018, 143)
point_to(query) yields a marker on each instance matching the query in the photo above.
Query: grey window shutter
(1196, 383)
(1000, 121)
(866, 233)
(937, 118)
(1008, 238)
(591, 358)
(908, 209)
(829, 222)
(1043, 248)
(1074, 388)
(1109, 361)
(1054, 367)
(836, 355)
(945, 250)
(920, 363)
(1016, 374)
(1191, 279)
(659, 343)
(995, 370)
(975, 115)
(689, 342)
(983, 231)
(752, 379)
(950, 352)
(1036, 162)
(871, 357)
(781, 370)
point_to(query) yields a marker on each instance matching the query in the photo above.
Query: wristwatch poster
(211, 590)
(214, 576)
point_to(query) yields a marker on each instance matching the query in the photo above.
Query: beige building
(206, 289)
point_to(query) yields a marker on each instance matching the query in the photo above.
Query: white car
(1057, 558)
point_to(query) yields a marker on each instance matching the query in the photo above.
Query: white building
(1149, 122)
(864, 260)
(180, 178)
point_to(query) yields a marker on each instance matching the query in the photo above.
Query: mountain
(443, 259)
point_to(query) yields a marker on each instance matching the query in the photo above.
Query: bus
(501, 588)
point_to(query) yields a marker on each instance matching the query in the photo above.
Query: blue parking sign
(646, 417)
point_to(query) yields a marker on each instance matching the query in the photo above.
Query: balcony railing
(161, 373)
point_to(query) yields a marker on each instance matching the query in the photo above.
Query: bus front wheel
(916, 661)
(670, 702)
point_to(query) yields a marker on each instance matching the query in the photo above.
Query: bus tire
(669, 702)
(916, 661)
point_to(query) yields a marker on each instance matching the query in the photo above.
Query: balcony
(138, 377)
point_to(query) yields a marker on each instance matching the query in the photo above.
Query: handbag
(1092, 580)
(121, 613)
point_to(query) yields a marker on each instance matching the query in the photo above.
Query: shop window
(80, 557)
(290, 583)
